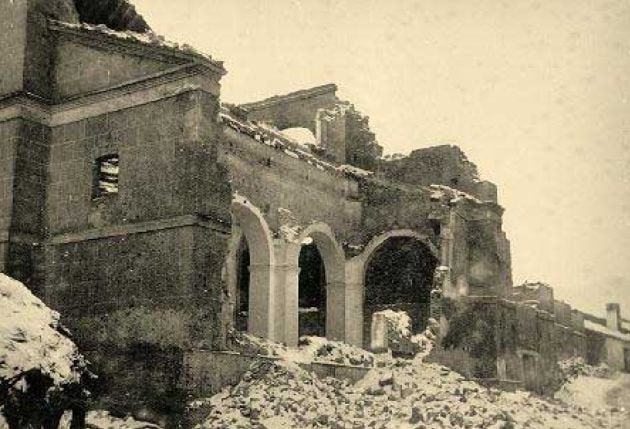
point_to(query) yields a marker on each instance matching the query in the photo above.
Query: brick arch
(359, 321)
(333, 258)
(376, 242)
(259, 240)
(332, 253)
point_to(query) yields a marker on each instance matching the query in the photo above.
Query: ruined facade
(127, 189)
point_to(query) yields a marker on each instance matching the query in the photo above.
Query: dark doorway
(241, 305)
(530, 373)
(312, 292)
(399, 276)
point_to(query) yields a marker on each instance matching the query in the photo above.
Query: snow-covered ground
(310, 349)
(401, 394)
(404, 393)
(597, 393)
(281, 394)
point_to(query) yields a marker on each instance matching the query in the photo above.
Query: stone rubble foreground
(397, 393)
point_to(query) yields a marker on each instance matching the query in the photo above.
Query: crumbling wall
(526, 349)
(297, 109)
(440, 165)
(388, 206)
(271, 179)
(469, 344)
(596, 348)
(361, 148)
(116, 14)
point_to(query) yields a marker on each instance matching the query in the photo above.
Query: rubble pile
(399, 393)
(576, 366)
(310, 349)
(318, 349)
(41, 369)
(31, 338)
(251, 345)
(100, 419)
(399, 336)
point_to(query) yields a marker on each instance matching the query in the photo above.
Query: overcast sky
(537, 93)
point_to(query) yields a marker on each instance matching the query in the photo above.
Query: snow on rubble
(42, 372)
(395, 333)
(310, 349)
(593, 387)
(394, 394)
(399, 394)
(31, 338)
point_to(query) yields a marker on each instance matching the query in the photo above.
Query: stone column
(446, 245)
(336, 310)
(354, 303)
(261, 301)
(288, 317)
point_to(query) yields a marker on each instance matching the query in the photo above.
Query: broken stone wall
(596, 348)
(388, 206)
(271, 179)
(439, 165)
(526, 349)
(116, 14)
(298, 109)
(469, 345)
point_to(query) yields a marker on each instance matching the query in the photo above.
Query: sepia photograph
(303, 214)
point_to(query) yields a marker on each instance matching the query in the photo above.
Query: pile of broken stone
(395, 394)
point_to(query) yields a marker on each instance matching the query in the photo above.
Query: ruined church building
(126, 183)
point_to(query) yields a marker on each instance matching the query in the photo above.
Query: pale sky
(537, 93)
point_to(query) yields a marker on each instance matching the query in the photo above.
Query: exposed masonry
(220, 212)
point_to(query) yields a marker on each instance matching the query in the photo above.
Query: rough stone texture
(390, 206)
(153, 156)
(271, 180)
(12, 45)
(116, 14)
(166, 240)
(9, 136)
(440, 165)
(296, 109)
(80, 68)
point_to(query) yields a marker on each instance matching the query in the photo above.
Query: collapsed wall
(439, 165)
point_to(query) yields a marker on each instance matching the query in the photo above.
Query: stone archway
(249, 223)
(332, 256)
(357, 274)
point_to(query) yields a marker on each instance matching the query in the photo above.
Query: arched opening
(241, 301)
(398, 276)
(311, 292)
(315, 298)
(253, 282)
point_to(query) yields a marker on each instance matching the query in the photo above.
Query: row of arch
(282, 289)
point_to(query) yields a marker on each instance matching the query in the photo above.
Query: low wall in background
(206, 372)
